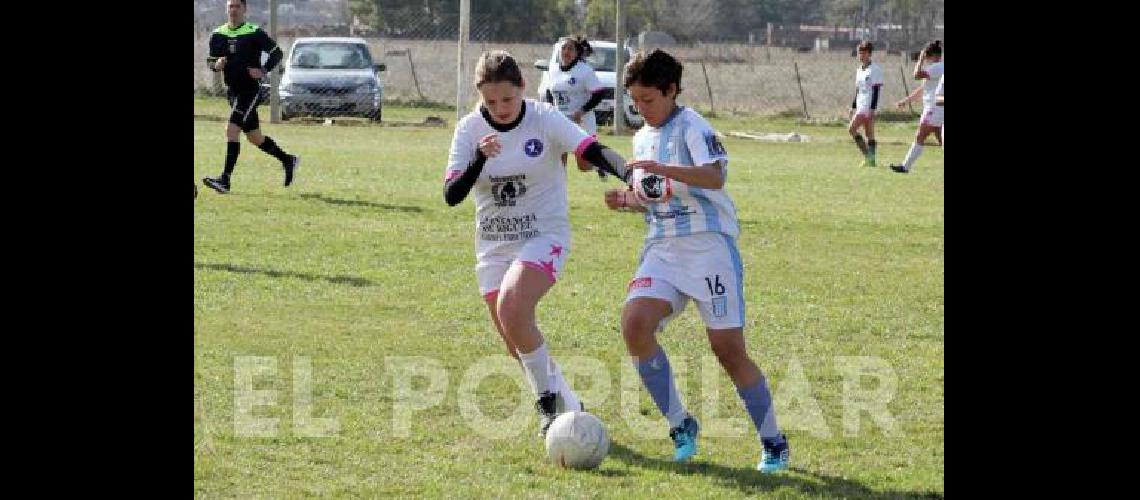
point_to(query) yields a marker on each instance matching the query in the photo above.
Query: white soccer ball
(577, 440)
(651, 188)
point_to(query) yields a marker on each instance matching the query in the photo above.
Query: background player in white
(932, 115)
(574, 87)
(507, 150)
(868, 84)
(938, 101)
(690, 253)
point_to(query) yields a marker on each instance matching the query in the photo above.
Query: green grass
(361, 260)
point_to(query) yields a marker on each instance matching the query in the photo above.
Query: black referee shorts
(243, 109)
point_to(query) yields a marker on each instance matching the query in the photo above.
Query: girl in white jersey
(690, 253)
(932, 115)
(938, 101)
(507, 151)
(868, 83)
(574, 87)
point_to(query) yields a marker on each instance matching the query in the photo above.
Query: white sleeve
(565, 134)
(877, 76)
(462, 152)
(704, 145)
(936, 71)
(590, 79)
(938, 91)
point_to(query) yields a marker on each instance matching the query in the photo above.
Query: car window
(331, 55)
(602, 59)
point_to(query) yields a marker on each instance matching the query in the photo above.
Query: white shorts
(867, 112)
(546, 253)
(705, 267)
(933, 116)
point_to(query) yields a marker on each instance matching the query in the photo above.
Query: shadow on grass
(750, 481)
(361, 203)
(338, 280)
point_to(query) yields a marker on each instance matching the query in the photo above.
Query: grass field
(359, 265)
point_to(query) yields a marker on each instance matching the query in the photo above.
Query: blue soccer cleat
(775, 455)
(685, 439)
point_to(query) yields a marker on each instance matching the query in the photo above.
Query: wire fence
(420, 67)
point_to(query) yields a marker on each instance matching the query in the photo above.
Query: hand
(256, 73)
(577, 117)
(490, 145)
(649, 166)
(617, 199)
(901, 104)
(583, 165)
(219, 64)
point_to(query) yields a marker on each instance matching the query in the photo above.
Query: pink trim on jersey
(491, 295)
(545, 267)
(584, 144)
(451, 174)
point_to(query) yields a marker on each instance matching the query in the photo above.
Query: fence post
(803, 98)
(906, 89)
(274, 98)
(414, 78)
(712, 106)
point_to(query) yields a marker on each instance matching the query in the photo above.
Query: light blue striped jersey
(686, 139)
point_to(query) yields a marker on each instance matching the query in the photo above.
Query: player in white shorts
(690, 254)
(868, 84)
(574, 87)
(932, 115)
(507, 151)
(938, 101)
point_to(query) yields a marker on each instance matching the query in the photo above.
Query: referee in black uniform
(235, 50)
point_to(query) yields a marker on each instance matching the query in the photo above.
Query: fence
(739, 77)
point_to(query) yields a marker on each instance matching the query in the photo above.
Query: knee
(513, 314)
(729, 354)
(638, 327)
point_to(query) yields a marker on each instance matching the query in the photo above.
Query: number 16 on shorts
(719, 301)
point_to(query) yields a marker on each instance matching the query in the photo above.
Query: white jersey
(521, 192)
(938, 92)
(866, 79)
(930, 86)
(686, 139)
(571, 89)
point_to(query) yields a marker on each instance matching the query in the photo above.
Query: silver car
(331, 76)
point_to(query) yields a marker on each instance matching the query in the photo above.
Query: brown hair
(867, 46)
(497, 66)
(658, 69)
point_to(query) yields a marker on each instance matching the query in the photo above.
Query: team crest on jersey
(714, 145)
(233, 45)
(720, 306)
(532, 148)
(571, 81)
(507, 192)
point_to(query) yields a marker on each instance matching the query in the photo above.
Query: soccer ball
(651, 188)
(577, 440)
